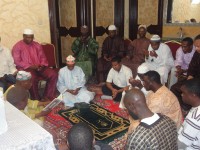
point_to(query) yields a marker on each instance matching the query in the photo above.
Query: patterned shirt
(165, 102)
(189, 133)
(160, 135)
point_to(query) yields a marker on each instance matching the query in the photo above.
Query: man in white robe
(159, 58)
(71, 83)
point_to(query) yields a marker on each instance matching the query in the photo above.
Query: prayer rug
(105, 124)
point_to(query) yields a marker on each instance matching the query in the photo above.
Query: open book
(54, 103)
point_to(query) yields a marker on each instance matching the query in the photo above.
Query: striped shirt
(189, 133)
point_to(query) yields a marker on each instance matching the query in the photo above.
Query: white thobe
(71, 80)
(163, 63)
(7, 65)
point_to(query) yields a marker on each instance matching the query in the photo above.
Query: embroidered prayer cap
(28, 32)
(142, 26)
(23, 76)
(70, 59)
(142, 69)
(112, 27)
(155, 38)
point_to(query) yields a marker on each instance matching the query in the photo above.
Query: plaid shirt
(161, 135)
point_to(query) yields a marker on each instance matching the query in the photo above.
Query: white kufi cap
(112, 27)
(142, 26)
(142, 69)
(70, 59)
(155, 38)
(28, 32)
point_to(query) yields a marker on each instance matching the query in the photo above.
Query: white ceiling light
(195, 1)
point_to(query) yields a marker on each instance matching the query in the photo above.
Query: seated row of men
(157, 130)
(160, 100)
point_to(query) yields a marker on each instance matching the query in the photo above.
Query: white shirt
(121, 78)
(7, 65)
(3, 122)
(164, 57)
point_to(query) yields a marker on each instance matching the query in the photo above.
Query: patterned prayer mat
(105, 124)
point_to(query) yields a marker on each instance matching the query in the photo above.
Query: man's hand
(34, 67)
(114, 92)
(40, 68)
(153, 54)
(107, 58)
(126, 88)
(73, 92)
(42, 113)
(146, 53)
(15, 73)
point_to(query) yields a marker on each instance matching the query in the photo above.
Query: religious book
(54, 103)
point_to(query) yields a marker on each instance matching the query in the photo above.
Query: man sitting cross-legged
(155, 131)
(71, 83)
(117, 80)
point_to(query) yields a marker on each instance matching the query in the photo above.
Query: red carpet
(59, 127)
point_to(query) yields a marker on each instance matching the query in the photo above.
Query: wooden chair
(50, 53)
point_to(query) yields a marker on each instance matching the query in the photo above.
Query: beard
(133, 115)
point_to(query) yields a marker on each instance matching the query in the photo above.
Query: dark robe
(193, 70)
(111, 47)
(136, 54)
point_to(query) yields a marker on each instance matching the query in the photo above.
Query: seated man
(80, 137)
(85, 50)
(18, 95)
(29, 56)
(184, 55)
(192, 72)
(112, 46)
(117, 80)
(136, 83)
(71, 83)
(189, 133)
(7, 68)
(155, 131)
(160, 99)
(3, 122)
(135, 52)
(159, 58)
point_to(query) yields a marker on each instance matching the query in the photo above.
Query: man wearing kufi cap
(29, 56)
(71, 83)
(112, 46)
(18, 95)
(85, 50)
(159, 57)
(137, 83)
(7, 68)
(135, 50)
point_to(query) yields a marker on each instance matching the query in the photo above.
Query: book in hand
(54, 103)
